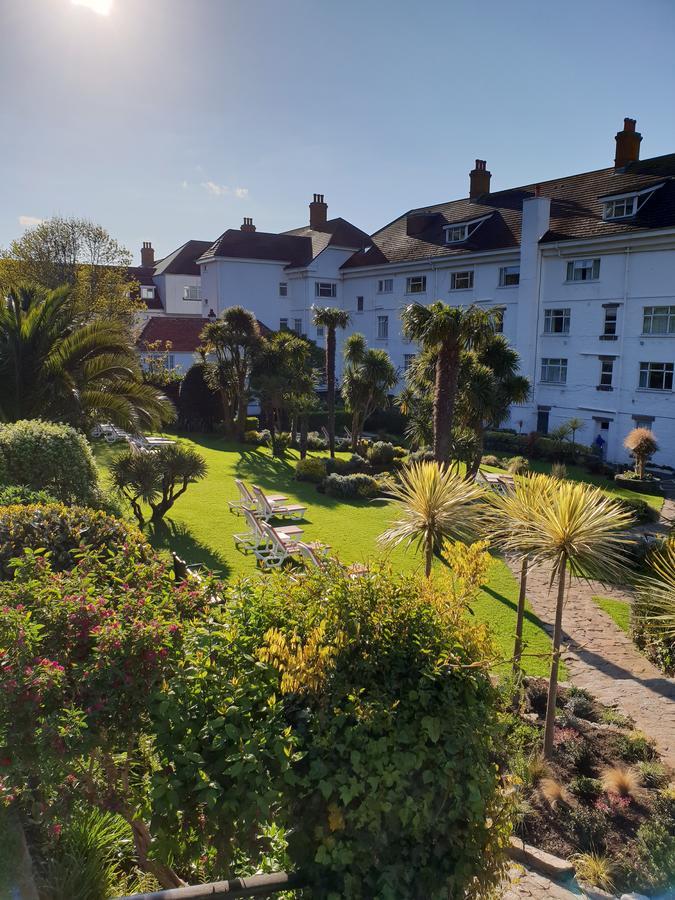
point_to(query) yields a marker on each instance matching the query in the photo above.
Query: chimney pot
(247, 224)
(627, 145)
(147, 255)
(479, 180)
(318, 211)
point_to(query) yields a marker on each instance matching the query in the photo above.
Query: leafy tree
(571, 527)
(330, 318)
(155, 365)
(234, 339)
(83, 255)
(489, 384)
(445, 331)
(436, 504)
(300, 405)
(198, 407)
(641, 444)
(54, 367)
(157, 477)
(418, 408)
(368, 377)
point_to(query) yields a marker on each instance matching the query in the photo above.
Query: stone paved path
(526, 885)
(602, 659)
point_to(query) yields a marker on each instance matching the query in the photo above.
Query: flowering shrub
(50, 457)
(81, 652)
(61, 530)
(359, 714)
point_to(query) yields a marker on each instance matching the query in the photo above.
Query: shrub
(48, 457)
(310, 469)
(553, 792)
(590, 825)
(423, 455)
(360, 486)
(350, 466)
(381, 454)
(588, 789)
(559, 471)
(652, 774)
(61, 531)
(252, 423)
(621, 781)
(581, 707)
(656, 852)
(198, 407)
(635, 747)
(517, 465)
(595, 869)
(642, 510)
(282, 441)
(259, 438)
(350, 703)
(400, 452)
(490, 460)
(316, 441)
(19, 495)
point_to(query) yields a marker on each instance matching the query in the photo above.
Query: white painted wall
(171, 289)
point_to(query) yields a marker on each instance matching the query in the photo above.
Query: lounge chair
(269, 505)
(313, 560)
(493, 481)
(282, 549)
(256, 537)
(248, 501)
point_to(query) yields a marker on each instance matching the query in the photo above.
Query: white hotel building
(582, 268)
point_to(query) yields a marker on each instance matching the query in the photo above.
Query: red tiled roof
(181, 331)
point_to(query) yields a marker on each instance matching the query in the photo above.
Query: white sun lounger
(268, 506)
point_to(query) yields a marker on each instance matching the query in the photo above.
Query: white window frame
(283, 324)
(606, 372)
(647, 369)
(283, 289)
(498, 318)
(422, 279)
(383, 328)
(360, 304)
(624, 206)
(578, 266)
(192, 292)
(321, 287)
(458, 232)
(297, 326)
(553, 363)
(464, 275)
(561, 313)
(319, 331)
(611, 321)
(148, 292)
(385, 286)
(649, 313)
(505, 272)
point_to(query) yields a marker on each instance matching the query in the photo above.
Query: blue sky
(172, 119)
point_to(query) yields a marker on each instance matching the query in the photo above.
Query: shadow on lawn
(512, 605)
(177, 538)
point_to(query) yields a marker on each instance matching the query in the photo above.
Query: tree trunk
(445, 394)
(330, 385)
(472, 470)
(242, 408)
(142, 841)
(355, 431)
(518, 648)
(428, 560)
(304, 428)
(549, 725)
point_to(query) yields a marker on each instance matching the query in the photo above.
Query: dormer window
(623, 206)
(462, 231)
(147, 293)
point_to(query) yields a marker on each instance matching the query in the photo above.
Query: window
(461, 281)
(408, 360)
(498, 319)
(382, 328)
(416, 284)
(297, 326)
(583, 270)
(283, 289)
(656, 376)
(319, 331)
(385, 285)
(554, 371)
(325, 289)
(619, 209)
(359, 304)
(611, 317)
(147, 293)
(192, 292)
(557, 321)
(456, 234)
(509, 276)
(542, 419)
(283, 324)
(658, 320)
(606, 374)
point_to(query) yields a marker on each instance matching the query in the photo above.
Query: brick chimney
(479, 180)
(627, 145)
(247, 225)
(318, 212)
(147, 255)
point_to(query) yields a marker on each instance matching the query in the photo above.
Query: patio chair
(280, 549)
(256, 537)
(271, 505)
(247, 500)
(313, 560)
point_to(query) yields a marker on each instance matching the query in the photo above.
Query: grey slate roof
(183, 260)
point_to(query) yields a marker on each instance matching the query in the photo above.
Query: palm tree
(508, 512)
(436, 505)
(446, 331)
(234, 339)
(575, 527)
(368, 377)
(330, 318)
(56, 368)
(654, 608)
(576, 424)
(641, 444)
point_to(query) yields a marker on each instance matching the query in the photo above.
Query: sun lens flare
(101, 7)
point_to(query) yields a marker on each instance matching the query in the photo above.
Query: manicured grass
(577, 473)
(618, 610)
(200, 529)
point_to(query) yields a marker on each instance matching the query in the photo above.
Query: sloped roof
(296, 248)
(183, 332)
(576, 212)
(183, 260)
(143, 275)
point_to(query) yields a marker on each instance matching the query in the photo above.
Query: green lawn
(201, 526)
(619, 610)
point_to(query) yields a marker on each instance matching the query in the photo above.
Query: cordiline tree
(331, 318)
(368, 377)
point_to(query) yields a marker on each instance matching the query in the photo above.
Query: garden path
(524, 884)
(602, 659)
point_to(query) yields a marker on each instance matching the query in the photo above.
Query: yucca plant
(574, 527)
(654, 609)
(436, 504)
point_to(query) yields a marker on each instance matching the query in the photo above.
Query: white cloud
(29, 221)
(218, 190)
(184, 185)
(242, 193)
